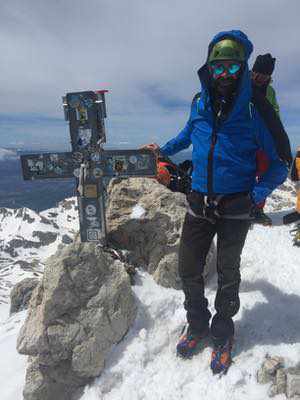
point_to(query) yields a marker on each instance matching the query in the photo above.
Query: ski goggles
(218, 68)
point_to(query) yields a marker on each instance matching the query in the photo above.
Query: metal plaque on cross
(88, 162)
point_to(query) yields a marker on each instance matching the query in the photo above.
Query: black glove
(259, 217)
(264, 64)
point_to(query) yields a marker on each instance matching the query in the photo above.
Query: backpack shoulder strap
(196, 99)
(274, 125)
(197, 96)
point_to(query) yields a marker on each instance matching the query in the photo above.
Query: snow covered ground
(144, 365)
(12, 364)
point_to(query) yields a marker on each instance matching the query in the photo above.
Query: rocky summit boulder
(146, 218)
(81, 308)
(21, 294)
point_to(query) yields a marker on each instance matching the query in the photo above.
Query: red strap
(262, 163)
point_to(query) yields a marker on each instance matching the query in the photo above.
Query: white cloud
(49, 48)
(6, 154)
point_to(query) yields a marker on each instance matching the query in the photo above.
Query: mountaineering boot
(221, 357)
(191, 343)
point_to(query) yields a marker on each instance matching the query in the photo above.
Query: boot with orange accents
(191, 343)
(221, 357)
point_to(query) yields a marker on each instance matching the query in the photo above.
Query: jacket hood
(237, 35)
(245, 89)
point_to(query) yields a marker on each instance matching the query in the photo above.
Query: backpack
(176, 177)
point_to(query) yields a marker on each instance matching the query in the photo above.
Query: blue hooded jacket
(224, 157)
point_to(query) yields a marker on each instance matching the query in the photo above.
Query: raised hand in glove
(262, 70)
(264, 64)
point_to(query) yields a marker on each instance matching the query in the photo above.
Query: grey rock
(294, 370)
(21, 294)
(272, 391)
(263, 377)
(267, 372)
(44, 220)
(5, 212)
(166, 272)
(25, 265)
(83, 306)
(62, 338)
(68, 204)
(45, 238)
(35, 387)
(88, 358)
(153, 239)
(272, 364)
(52, 214)
(66, 239)
(24, 214)
(51, 383)
(280, 381)
(16, 243)
(292, 382)
(32, 338)
(34, 266)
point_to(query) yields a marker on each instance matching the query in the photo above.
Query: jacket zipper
(210, 161)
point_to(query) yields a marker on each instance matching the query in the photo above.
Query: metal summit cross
(88, 162)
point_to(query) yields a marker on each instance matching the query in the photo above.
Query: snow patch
(137, 212)
(12, 364)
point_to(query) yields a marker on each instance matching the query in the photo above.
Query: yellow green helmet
(227, 49)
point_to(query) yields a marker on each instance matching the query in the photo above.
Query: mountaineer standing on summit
(226, 131)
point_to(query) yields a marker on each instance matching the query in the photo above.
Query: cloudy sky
(146, 53)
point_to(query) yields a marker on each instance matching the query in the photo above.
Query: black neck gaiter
(223, 94)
